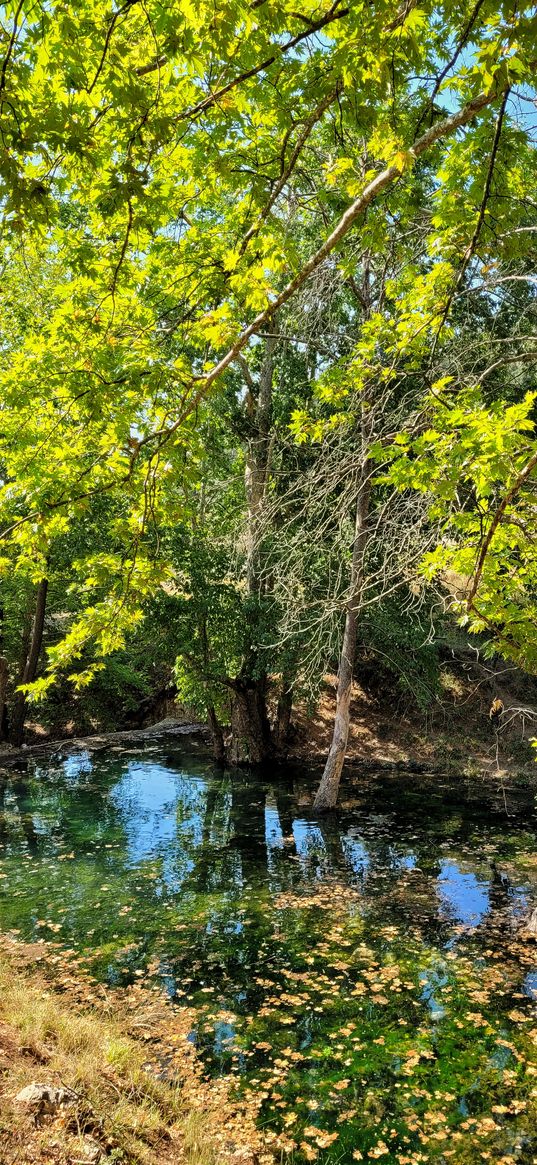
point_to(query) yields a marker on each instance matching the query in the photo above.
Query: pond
(367, 976)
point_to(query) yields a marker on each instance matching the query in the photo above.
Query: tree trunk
(327, 792)
(4, 680)
(29, 672)
(251, 741)
(250, 730)
(217, 735)
(283, 717)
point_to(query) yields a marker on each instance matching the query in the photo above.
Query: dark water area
(366, 977)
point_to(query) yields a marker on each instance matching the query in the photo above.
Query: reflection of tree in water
(500, 913)
(286, 810)
(53, 813)
(57, 833)
(400, 864)
(248, 824)
(228, 875)
(202, 892)
(498, 932)
(15, 819)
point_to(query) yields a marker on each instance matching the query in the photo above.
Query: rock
(165, 725)
(530, 924)
(45, 1098)
(92, 1152)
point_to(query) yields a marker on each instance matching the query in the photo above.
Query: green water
(363, 978)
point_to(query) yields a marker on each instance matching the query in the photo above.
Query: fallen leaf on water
(379, 1150)
(309, 1153)
(326, 1139)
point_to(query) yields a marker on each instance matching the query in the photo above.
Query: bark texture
(29, 670)
(283, 718)
(328, 790)
(251, 741)
(217, 735)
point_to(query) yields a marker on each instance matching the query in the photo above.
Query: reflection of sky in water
(273, 829)
(224, 1034)
(73, 766)
(160, 810)
(275, 844)
(463, 897)
(308, 840)
(355, 855)
(530, 984)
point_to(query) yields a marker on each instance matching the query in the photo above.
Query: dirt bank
(138, 1091)
(453, 735)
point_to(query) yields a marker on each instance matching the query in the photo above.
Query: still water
(367, 977)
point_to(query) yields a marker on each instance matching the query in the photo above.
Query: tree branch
(498, 517)
(213, 98)
(471, 248)
(310, 123)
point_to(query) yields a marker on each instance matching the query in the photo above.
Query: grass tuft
(123, 1113)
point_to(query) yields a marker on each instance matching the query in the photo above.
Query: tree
(29, 671)
(472, 454)
(169, 232)
(408, 343)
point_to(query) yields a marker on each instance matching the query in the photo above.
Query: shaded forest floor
(139, 1093)
(454, 734)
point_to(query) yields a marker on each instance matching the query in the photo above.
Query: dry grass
(387, 728)
(123, 1112)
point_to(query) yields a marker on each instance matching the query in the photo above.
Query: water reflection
(161, 812)
(463, 896)
(189, 830)
(338, 943)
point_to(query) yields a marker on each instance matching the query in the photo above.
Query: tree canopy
(243, 244)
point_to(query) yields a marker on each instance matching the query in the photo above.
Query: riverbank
(454, 736)
(135, 1092)
(47, 749)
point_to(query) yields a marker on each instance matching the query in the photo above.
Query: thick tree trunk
(250, 730)
(217, 736)
(29, 671)
(327, 792)
(283, 717)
